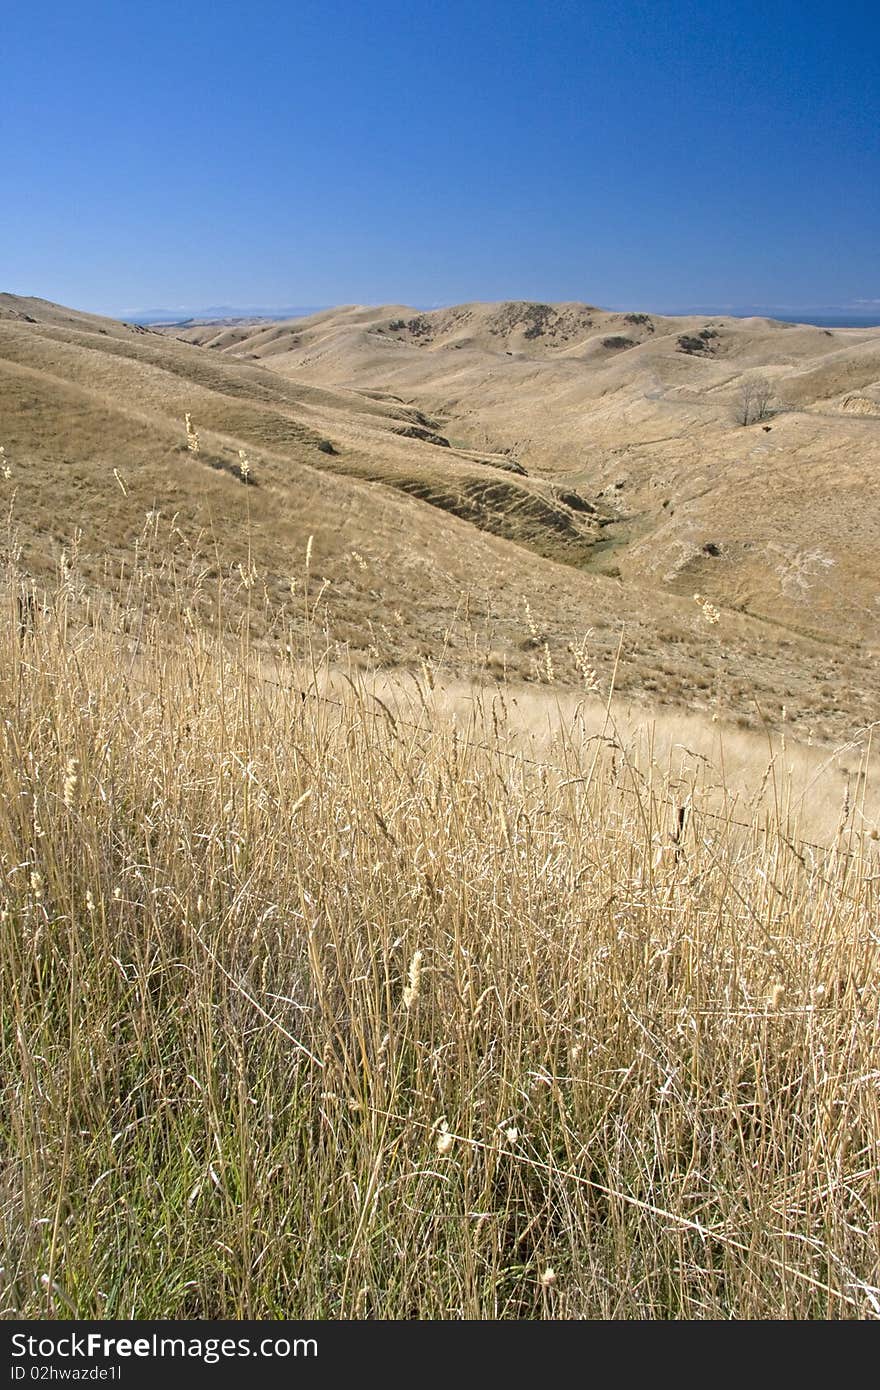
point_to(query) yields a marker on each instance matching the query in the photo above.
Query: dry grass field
(349, 998)
(399, 916)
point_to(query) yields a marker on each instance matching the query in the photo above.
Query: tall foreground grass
(319, 1006)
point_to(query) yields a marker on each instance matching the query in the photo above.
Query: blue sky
(641, 153)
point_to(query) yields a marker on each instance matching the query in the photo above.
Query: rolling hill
(524, 490)
(638, 415)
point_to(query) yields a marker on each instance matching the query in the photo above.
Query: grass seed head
(71, 782)
(413, 987)
(445, 1140)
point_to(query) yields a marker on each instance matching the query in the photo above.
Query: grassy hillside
(379, 936)
(640, 415)
(481, 559)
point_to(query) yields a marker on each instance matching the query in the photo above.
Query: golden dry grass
(320, 1001)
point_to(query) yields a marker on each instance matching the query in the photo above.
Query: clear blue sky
(642, 153)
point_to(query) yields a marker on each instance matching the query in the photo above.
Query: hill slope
(482, 558)
(639, 415)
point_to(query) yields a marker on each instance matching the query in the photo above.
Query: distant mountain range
(217, 312)
(859, 315)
